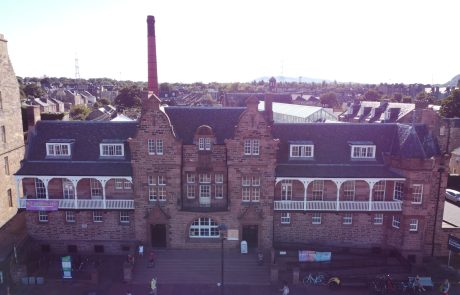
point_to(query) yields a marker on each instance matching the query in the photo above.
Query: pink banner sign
(42, 205)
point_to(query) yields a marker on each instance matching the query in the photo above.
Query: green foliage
(450, 107)
(34, 90)
(329, 99)
(372, 95)
(79, 112)
(129, 97)
(397, 97)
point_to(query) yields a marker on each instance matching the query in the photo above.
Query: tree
(329, 99)
(450, 107)
(397, 97)
(79, 112)
(34, 90)
(372, 95)
(129, 97)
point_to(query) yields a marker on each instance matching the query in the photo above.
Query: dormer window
(362, 151)
(58, 149)
(204, 144)
(111, 150)
(301, 151)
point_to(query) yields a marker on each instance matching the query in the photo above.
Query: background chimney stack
(152, 57)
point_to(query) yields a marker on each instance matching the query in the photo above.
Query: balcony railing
(342, 206)
(84, 203)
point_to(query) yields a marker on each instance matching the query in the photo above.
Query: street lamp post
(222, 232)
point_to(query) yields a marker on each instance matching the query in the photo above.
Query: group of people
(151, 263)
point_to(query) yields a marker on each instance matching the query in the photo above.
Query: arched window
(204, 227)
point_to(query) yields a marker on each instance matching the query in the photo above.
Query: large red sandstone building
(171, 178)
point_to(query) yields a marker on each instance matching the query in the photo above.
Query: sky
(369, 41)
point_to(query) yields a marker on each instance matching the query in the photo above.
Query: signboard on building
(314, 256)
(453, 243)
(232, 235)
(42, 205)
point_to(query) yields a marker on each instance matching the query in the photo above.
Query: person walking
(153, 286)
(285, 289)
(141, 250)
(445, 287)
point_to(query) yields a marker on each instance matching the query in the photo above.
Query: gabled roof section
(186, 120)
(414, 141)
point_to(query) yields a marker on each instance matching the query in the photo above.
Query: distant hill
(293, 79)
(453, 81)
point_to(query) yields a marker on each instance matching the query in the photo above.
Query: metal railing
(342, 206)
(84, 203)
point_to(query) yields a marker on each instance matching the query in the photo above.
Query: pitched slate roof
(332, 148)
(186, 120)
(85, 138)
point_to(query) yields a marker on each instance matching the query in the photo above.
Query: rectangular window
(3, 134)
(316, 218)
(378, 218)
(96, 189)
(318, 188)
(205, 178)
(112, 150)
(159, 146)
(58, 149)
(251, 147)
(396, 221)
(379, 191)
(152, 188)
(42, 216)
(286, 190)
(118, 183)
(349, 190)
(417, 192)
(301, 151)
(255, 189)
(285, 218)
(246, 193)
(204, 144)
(157, 188)
(398, 191)
(161, 192)
(124, 217)
(413, 225)
(347, 218)
(190, 178)
(127, 184)
(10, 197)
(70, 216)
(40, 190)
(363, 151)
(219, 191)
(151, 146)
(7, 166)
(219, 178)
(205, 191)
(190, 191)
(97, 216)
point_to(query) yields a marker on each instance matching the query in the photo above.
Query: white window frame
(70, 217)
(190, 191)
(152, 187)
(159, 147)
(205, 191)
(190, 178)
(363, 151)
(285, 218)
(205, 227)
(413, 225)
(40, 189)
(251, 147)
(219, 191)
(398, 192)
(124, 216)
(58, 149)
(349, 188)
(378, 218)
(378, 194)
(286, 190)
(151, 146)
(417, 193)
(396, 222)
(205, 178)
(127, 185)
(156, 187)
(316, 218)
(42, 216)
(96, 189)
(301, 150)
(317, 193)
(161, 188)
(97, 216)
(255, 197)
(112, 150)
(347, 218)
(219, 178)
(119, 183)
(204, 143)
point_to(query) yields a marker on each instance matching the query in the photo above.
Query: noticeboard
(453, 243)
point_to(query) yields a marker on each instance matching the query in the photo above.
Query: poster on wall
(313, 256)
(66, 262)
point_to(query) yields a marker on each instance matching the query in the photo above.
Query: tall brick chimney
(152, 57)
